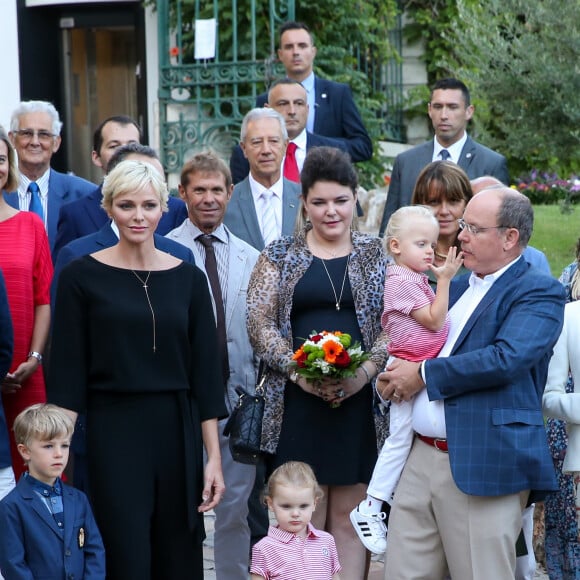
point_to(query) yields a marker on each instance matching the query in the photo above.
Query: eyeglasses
(28, 135)
(474, 230)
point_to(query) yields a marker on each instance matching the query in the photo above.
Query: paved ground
(376, 571)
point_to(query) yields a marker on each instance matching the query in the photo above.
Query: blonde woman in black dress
(135, 347)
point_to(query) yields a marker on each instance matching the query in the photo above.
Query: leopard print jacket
(279, 268)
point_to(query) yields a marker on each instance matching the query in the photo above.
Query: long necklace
(337, 298)
(146, 288)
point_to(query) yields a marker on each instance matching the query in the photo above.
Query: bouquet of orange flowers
(328, 355)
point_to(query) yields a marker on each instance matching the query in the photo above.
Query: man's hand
(400, 381)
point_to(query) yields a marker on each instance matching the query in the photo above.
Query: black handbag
(244, 426)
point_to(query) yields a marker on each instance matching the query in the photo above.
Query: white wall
(10, 92)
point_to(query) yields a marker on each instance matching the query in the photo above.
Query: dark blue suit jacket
(6, 350)
(32, 545)
(492, 385)
(62, 189)
(105, 238)
(336, 115)
(86, 216)
(240, 167)
(475, 159)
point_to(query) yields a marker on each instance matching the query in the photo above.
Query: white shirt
(277, 190)
(300, 153)
(308, 84)
(24, 194)
(454, 150)
(429, 416)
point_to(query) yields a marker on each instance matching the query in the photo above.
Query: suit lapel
(94, 210)
(491, 299)
(26, 491)
(69, 515)
(249, 216)
(289, 203)
(467, 155)
(236, 267)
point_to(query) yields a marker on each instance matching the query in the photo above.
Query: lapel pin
(323, 96)
(468, 156)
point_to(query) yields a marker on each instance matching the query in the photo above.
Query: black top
(103, 335)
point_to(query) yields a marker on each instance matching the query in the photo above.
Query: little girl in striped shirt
(294, 549)
(416, 322)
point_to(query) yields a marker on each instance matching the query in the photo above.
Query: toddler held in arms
(294, 549)
(416, 322)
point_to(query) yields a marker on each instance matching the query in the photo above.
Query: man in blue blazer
(289, 98)
(206, 187)
(332, 110)
(450, 110)
(263, 139)
(480, 452)
(86, 215)
(35, 133)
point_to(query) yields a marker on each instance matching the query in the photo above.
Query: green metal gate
(202, 101)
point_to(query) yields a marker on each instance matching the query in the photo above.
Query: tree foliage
(521, 60)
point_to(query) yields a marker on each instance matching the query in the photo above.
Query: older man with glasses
(35, 133)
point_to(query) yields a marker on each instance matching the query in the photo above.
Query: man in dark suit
(450, 110)
(264, 205)
(289, 98)
(480, 452)
(332, 111)
(35, 133)
(86, 215)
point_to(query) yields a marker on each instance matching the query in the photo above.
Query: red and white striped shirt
(405, 291)
(285, 556)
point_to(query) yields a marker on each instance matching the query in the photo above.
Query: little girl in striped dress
(415, 319)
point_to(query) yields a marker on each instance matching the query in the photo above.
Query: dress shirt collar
(406, 273)
(43, 488)
(308, 83)
(42, 183)
(475, 280)
(285, 537)
(219, 233)
(300, 140)
(454, 150)
(257, 188)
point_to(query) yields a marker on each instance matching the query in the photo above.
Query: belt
(439, 444)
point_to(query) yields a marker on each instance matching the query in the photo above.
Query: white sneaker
(371, 530)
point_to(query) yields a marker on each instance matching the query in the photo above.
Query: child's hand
(453, 262)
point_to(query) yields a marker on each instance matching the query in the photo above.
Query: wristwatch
(35, 355)
(294, 376)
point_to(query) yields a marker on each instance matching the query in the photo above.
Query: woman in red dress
(27, 267)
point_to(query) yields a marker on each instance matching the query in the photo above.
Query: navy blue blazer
(86, 216)
(62, 189)
(6, 351)
(105, 238)
(475, 159)
(336, 115)
(240, 167)
(492, 384)
(32, 546)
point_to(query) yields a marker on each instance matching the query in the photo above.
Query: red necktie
(290, 166)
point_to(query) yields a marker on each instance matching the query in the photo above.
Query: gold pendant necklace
(337, 299)
(146, 288)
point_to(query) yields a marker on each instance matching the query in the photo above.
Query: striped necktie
(35, 203)
(269, 224)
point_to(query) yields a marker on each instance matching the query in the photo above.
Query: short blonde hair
(403, 220)
(43, 422)
(295, 473)
(131, 176)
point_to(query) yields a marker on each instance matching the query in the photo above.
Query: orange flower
(331, 351)
(298, 354)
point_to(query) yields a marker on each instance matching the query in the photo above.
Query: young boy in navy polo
(47, 528)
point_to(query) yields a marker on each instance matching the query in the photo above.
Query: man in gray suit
(264, 205)
(206, 187)
(450, 110)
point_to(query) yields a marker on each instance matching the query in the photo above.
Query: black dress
(339, 443)
(144, 407)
